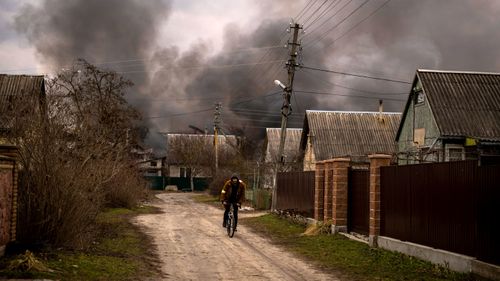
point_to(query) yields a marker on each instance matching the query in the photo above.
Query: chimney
(380, 110)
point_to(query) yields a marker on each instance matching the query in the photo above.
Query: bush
(126, 189)
(218, 181)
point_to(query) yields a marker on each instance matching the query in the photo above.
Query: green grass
(350, 259)
(121, 252)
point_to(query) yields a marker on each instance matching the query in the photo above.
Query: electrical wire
(328, 19)
(359, 23)
(345, 95)
(329, 8)
(339, 23)
(356, 75)
(351, 88)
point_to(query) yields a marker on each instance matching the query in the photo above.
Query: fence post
(319, 185)
(327, 212)
(376, 161)
(339, 196)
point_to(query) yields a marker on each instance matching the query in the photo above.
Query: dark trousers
(235, 212)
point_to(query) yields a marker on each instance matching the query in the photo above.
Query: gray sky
(185, 55)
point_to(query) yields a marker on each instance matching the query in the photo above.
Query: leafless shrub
(74, 154)
(125, 189)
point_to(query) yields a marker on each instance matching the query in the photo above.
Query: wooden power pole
(286, 109)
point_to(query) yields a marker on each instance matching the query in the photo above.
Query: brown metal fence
(451, 206)
(295, 191)
(358, 207)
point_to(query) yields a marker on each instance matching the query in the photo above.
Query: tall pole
(286, 109)
(216, 134)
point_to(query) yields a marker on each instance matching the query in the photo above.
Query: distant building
(180, 161)
(147, 162)
(291, 147)
(353, 134)
(19, 94)
(291, 152)
(450, 116)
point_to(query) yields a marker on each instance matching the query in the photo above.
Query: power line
(306, 8)
(356, 75)
(325, 11)
(339, 23)
(203, 66)
(345, 95)
(315, 11)
(359, 23)
(351, 88)
(328, 19)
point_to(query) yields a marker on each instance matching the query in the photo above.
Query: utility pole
(286, 109)
(218, 107)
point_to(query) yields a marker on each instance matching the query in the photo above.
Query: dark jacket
(227, 190)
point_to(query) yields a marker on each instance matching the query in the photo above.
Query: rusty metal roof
(348, 133)
(18, 85)
(292, 144)
(464, 104)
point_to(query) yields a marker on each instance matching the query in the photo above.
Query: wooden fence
(452, 206)
(295, 191)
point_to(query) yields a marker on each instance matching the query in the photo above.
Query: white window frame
(453, 147)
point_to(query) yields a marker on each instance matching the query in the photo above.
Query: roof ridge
(341, 111)
(457, 71)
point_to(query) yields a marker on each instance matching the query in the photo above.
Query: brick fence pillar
(376, 161)
(319, 185)
(339, 196)
(327, 212)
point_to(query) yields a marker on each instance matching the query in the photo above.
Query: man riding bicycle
(233, 192)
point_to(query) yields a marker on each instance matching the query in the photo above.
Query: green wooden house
(450, 116)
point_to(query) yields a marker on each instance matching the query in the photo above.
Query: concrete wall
(453, 261)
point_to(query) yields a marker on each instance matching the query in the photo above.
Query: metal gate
(358, 194)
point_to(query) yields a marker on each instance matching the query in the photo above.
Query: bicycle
(230, 222)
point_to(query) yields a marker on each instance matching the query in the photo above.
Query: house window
(455, 154)
(153, 164)
(419, 97)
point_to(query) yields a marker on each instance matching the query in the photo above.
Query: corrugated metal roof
(345, 133)
(226, 143)
(464, 104)
(292, 144)
(18, 85)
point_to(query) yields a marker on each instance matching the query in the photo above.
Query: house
(19, 95)
(290, 151)
(354, 134)
(450, 116)
(291, 146)
(147, 162)
(186, 152)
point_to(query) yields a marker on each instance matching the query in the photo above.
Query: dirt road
(192, 245)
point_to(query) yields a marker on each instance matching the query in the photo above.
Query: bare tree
(74, 154)
(195, 152)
